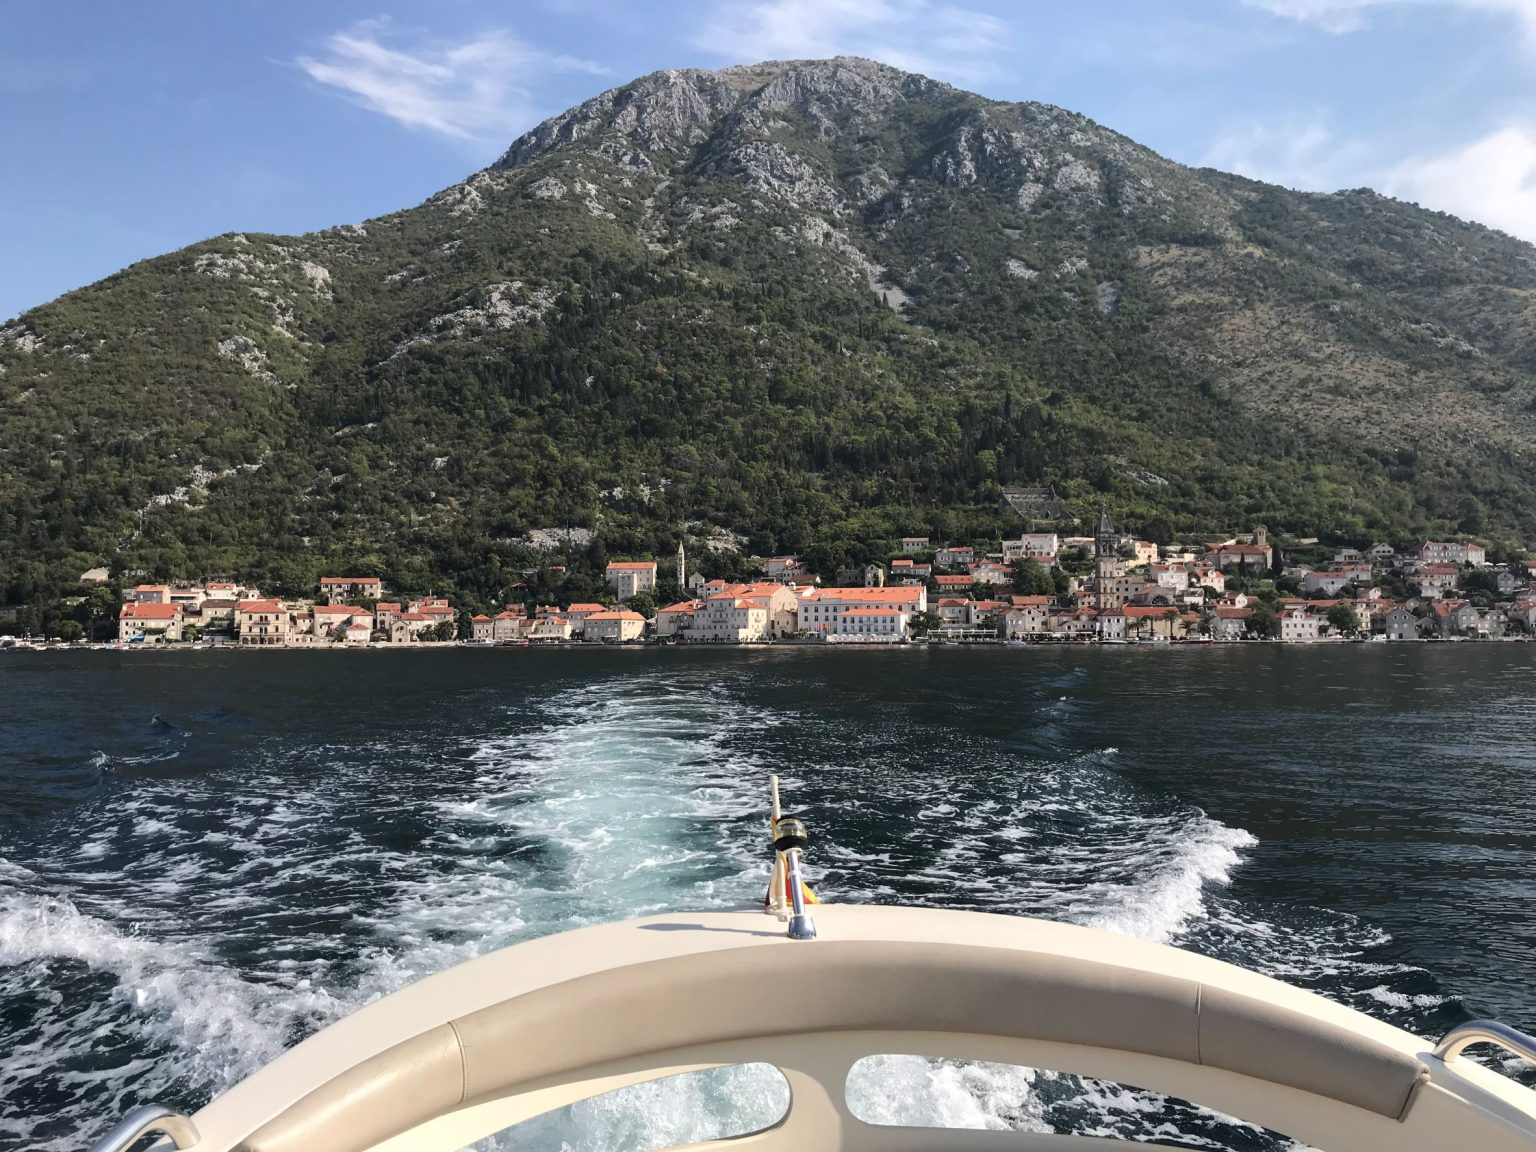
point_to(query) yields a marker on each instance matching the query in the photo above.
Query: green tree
(443, 632)
(1264, 623)
(1031, 579)
(924, 623)
(643, 603)
(1343, 619)
(68, 631)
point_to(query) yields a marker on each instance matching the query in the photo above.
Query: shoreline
(813, 645)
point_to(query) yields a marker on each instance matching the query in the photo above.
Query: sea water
(205, 857)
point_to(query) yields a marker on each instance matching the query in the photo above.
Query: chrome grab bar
(1463, 1036)
(148, 1120)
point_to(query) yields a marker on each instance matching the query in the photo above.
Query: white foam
(1160, 906)
(224, 1024)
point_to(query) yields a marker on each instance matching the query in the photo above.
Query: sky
(129, 130)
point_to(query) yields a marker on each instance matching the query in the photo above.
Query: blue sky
(132, 129)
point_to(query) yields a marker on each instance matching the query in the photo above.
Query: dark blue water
(205, 857)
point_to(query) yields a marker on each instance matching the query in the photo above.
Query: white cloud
(919, 35)
(1491, 180)
(1300, 151)
(467, 90)
(1340, 16)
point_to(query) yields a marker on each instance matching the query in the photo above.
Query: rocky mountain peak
(661, 117)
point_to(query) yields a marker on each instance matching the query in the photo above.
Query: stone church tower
(1107, 565)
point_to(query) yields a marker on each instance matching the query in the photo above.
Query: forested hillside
(823, 302)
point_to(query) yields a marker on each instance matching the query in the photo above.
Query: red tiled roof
(259, 606)
(324, 580)
(480, 618)
(869, 595)
(630, 565)
(150, 612)
(615, 616)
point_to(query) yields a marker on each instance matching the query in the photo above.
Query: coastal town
(1039, 587)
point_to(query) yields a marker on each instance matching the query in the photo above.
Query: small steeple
(1104, 535)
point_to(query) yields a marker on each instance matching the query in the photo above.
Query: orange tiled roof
(150, 612)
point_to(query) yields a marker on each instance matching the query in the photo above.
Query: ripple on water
(167, 939)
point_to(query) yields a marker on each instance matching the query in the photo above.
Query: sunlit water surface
(204, 857)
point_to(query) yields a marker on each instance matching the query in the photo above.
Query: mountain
(808, 302)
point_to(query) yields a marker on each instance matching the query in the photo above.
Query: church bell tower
(1106, 561)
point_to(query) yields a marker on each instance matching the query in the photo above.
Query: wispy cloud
(1491, 180)
(936, 39)
(1341, 16)
(1299, 151)
(469, 90)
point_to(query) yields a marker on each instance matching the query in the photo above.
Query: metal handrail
(148, 1120)
(1463, 1036)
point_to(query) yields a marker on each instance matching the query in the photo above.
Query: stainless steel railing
(1463, 1036)
(148, 1120)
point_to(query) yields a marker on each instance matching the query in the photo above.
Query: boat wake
(179, 933)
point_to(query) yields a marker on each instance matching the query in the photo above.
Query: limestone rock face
(814, 294)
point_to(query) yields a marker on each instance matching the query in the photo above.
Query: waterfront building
(612, 627)
(1400, 624)
(262, 623)
(1298, 626)
(409, 626)
(1108, 567)
(825, 611)
(744, 613)
(139, 622)
(677, 619)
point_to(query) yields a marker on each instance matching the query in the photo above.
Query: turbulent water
(204, 858)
